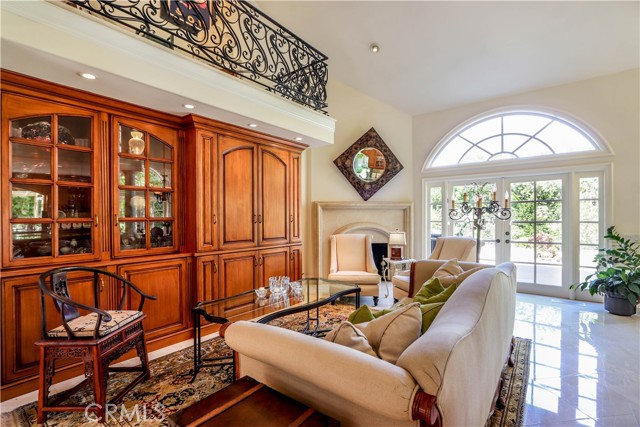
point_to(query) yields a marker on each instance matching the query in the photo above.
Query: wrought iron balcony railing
(231, 35)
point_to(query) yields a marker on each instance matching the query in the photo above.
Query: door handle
(497, 240)
(507, 241)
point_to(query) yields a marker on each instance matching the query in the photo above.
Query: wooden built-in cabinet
(187, 208)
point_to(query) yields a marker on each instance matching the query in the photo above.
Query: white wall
(610, 105)
(355, 113)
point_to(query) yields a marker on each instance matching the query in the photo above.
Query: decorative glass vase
(136, 143)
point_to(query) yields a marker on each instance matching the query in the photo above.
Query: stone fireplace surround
(376, 219)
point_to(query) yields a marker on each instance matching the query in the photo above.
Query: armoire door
(274, 196)
(273, 262)
(295, 259)
(295, 188)
(237, 273)
(238, 193)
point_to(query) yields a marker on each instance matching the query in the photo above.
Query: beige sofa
(449, 376)
(405, 285)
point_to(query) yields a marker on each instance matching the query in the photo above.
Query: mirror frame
(344, 162)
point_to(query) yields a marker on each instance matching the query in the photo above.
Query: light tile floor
(585, 363)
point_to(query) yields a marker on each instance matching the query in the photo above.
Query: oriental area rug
(170, 389)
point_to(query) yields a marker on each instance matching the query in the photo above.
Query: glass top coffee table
(312, 294)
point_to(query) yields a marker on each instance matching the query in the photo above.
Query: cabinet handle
(259, 219)
(290, 218)
(101, 284)
(291, 256)
(115, 219)
(255, 219)
(261, 259)
(255, 261)
(215, 267)
(215, 219)
(96, 220)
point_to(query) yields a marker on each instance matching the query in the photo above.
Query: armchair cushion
(84, 326)
(348, 335)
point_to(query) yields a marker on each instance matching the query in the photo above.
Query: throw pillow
(430, 288)
(348, 335)
(390, 334)
(361, 315)
(450, 272)
(442, 296)
(429, 313)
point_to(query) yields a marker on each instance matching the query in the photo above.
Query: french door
(555, 227)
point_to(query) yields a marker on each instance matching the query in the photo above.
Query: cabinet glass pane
(74, 166)
(131, 172)
(132, 204)
(132, 141)
(31, 240)
(74, 240)
(30, 161)
(30, 201)
(160, 175)
(132, 235)
(37, 128)
(159, 150)
(74, 202)
(161, 206)
(161, 234)
(74, 131)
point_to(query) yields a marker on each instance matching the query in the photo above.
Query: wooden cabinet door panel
(207, 279)
(207, 191)
(295, 266)
(21, 325)
(168, 281)
(295, 189)
(237, 166)
(273, 262)
(273, 218)
(237, 274)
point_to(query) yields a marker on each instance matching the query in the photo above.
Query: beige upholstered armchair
(352, 261)
(454, 247)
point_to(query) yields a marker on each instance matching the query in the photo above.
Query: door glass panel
(132, 235)
(36, 128)
(550, 275)
(131, 172)
(160, 175)
(159, 150)
(161, 206)
(522, 252)
(74, 202)
(31, 240)
(75, 240)
(132, 204)
(589, 233)
(436, 215)
(590, 228)
(30, 161)
(74, 131)
(74, 166)
(589, 210)
(30, 201)
(161, 234)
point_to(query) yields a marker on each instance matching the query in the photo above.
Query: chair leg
(46, 377)
(99, 382)
(375, 301)
(144, 358)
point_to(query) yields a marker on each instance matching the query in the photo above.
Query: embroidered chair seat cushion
(84, 326)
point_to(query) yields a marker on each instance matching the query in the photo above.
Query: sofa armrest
(364, 380)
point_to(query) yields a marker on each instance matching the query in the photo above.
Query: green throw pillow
(429, 313)
(442, 296)
(430, 288)
(361, 315)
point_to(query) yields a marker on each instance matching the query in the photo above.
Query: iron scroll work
(231, 35)
(344, 162)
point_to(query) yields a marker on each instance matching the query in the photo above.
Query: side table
(389, 266)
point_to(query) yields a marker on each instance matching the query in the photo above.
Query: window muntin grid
(514, 135)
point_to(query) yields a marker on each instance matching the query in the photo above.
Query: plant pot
(621, 306)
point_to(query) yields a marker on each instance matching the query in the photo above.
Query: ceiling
(439, 55)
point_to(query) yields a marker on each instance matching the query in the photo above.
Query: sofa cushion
(391, 334)
(360, 277)
(429, 289)
(361, 315)
(84, 326)
(451, 272)
(348, 335)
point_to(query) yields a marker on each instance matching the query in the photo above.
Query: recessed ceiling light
(253, 125)
(88, 76)
(374, 48)
(189, 106)
(298, 139)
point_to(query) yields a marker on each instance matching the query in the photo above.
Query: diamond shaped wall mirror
(368, 164)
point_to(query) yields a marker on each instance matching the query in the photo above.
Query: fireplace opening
(379, 252)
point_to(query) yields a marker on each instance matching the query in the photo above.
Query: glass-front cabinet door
(145, 171)
(49, 172)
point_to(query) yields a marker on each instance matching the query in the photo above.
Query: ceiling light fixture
(88, 76)
(253, 125)
(189, 106)
(375, 48)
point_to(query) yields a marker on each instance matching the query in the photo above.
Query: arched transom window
(513, 135)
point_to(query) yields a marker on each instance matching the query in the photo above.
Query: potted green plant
(618, 275)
